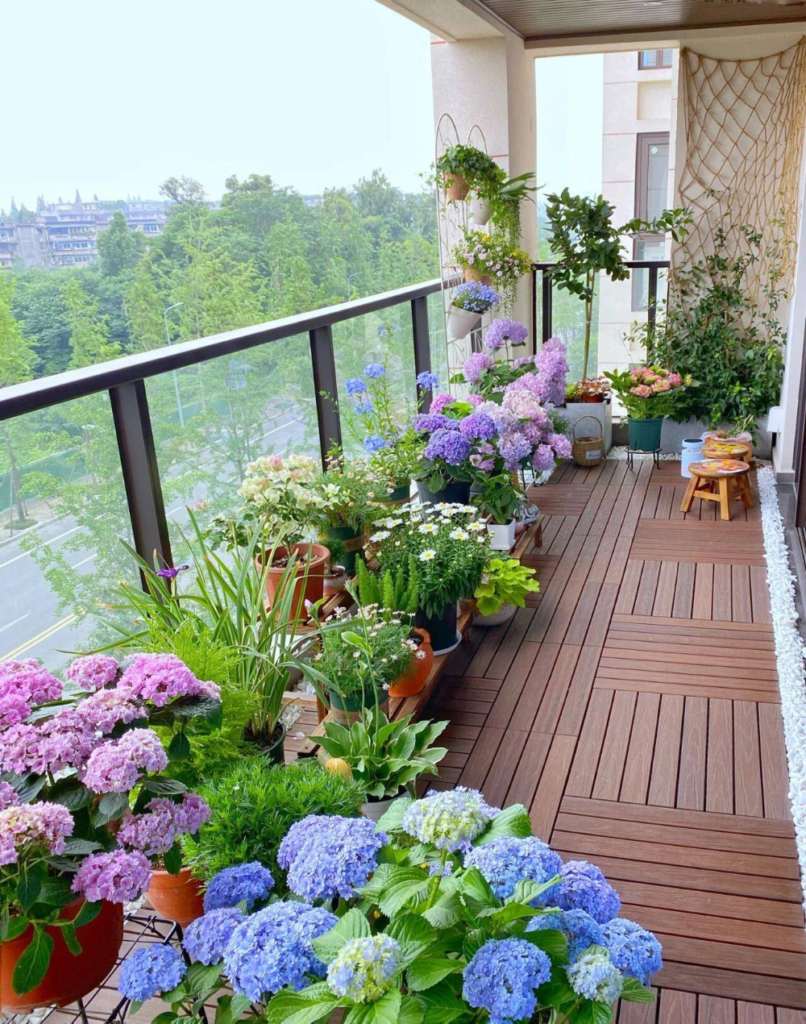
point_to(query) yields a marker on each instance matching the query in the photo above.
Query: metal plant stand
(655, 453)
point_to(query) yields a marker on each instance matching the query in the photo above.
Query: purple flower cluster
(475, 297)
(93, 672)
(33, 826)
(635, 951)
(117, 877)
(429, 422)
(103, 710)
(475, 365)
(151, 971)
(155, 832)
(160, 678)
(502, 332)
(8, 796)
(552, 365)
(478, 426)
(513, 448)
(448, 445)
(13, 710)
(62, 741)
(502, 978)
(29, 680)
(115, 767)
(427, 380)
(206, 938)
(438, 402)
(327, 856)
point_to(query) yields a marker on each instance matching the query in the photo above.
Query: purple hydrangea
(355, 386)
(155, 832)
(93, 672)
(543, 458)
(552, 367)
(477, 364)
(448, 445)
(579, 928)
(8, 796)
(450, 820)
(560, 444)
(438, 402)
(30, 826)
(502, 978)
(160, 678)
(521, 402)
(635, 951)
(503, 419)
(427, 380)
(273, 949)
(243, 883)
(374, 443)
(115, 766)
(475, 297)
(430, 422)
(478, 426)
(327, 856)
(61, 741)
(14, 708)
(103, 710)
(513, 447)
(118, 876)
(500, 332)
(506, 861)
(29, 680)
(374, 370)
(206, 938)
(584, 887)
(523, 361)
(150, 971)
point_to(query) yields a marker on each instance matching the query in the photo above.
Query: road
(31, 626)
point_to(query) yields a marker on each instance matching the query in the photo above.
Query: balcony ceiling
(553, 19)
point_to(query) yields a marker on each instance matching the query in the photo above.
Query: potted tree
(649, 394)
(503, 590)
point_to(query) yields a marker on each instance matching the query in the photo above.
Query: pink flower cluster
(653, 380)
(160, 678)
(29, 680)
(33, 826)
(114, 767)
(93, 672)
(8, 796)
(117, 876)
(155, 832)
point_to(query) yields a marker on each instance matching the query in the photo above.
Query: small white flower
(384, 661)
(428, 555)
(481, 539)
(376, 538)
(459, 535)
(428, 528)
(476, 527)
(356, 654)
(419, 654)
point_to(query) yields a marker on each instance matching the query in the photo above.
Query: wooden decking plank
(677, 1007)
(722, 605)
(526, 779)
(556, 692)
(691, 779)
(629, 588)
(674, 625)
(665, 593)
(760, 594)
(666, 759)
(645, 598)
(719, 762)
(531, 694)
(583, 772)
(505, 764)
(774, 773)
(576, 701)
(727, 956)
(747, 759)
(742, 607)
(700, 901)
(614, 749)
(550, 790)
(513, 684)
(703, 591)
(730, 985)
(700, 925)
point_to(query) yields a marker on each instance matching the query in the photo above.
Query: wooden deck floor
(634, 709)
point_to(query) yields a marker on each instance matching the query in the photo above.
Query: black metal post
(652, 296)
(533, 331)
(141, 477)
(547, 311)
(323, 362)
(422, 346)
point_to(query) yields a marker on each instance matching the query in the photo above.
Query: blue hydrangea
(475, 296)
(272, 949)
(243, 882)
(578, 927)
(374, 443)
(150, 971)
(478, 426)
(364, 968)
(584, 887)
(502, 976)
(374, 370)
(429, 422)
(355, 386)
(364, 405)
(635, 951)
(427, 380)
(594, 976)
(506, 861)
(206, 938)
(450, 820)
(448, 445)
(327, 856)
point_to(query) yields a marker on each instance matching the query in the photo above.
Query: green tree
(119, 249)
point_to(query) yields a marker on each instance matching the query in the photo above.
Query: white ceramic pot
(691, 451)
(461, 322)
(480, 210)
(375, 809)
(504, 614)
(502, 534)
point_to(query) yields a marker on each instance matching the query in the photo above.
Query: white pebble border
(789, 653)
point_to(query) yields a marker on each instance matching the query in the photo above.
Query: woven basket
(588, 450)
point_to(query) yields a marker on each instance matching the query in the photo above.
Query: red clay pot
(458, 188)
(69, 977)
(314, 586)
(176, 897)
(413, 679)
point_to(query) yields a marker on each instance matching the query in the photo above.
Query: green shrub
(255, 804)
(392, 591)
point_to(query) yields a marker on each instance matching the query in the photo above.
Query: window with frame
(651, 60)
(651, 190)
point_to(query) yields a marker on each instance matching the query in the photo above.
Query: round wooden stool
(718, 480)
(715, 448)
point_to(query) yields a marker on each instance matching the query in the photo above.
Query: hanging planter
(480, 210)
(456, 187)
(477, 275)
(461, 322)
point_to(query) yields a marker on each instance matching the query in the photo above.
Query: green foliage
(650, 406)
(714, 330)
(385, 756)
(505, 581)
(472, 164)
(255, 804)
(390, 591)
(119, 248)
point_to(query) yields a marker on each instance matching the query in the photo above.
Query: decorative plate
(723, 467)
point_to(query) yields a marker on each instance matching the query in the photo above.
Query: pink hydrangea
(160, 678)
(8, 796)
(93, 672)
(561, 445)
(14, 709)
(29, 680)
(114, 767)
(438, 402)
(117, 877)
(543, 458)
(474, 366)
(102, 711)
(62, 741)
(521, 403)
(155, 832)
(43, 825)
(475, 401)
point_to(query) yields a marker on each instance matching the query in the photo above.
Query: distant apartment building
(638, 144)
(66, 234)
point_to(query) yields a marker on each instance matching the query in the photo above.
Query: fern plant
(392, 590)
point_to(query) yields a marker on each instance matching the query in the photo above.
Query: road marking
(8, 625)
(44, 635)
(83, 561)
(26, 554)
(31, 529)
(281, 427)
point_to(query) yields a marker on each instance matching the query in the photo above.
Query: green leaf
(593, 1013)
(110, 807)
(391, 821)
(514, 821)
(404, 884)
(528, 891)
(413, 933)
(186, 707)
(179, 747)
(445, 912)
(71, 941)
(385, 1010)
(33, 963)
(551, 941)
(173, 859)
(164, 787)
(443, 1003)
(427, 971)
(411, 1012)
(88, 912)
(70, 793)
(28, 888)
(80, 847)
(475, 885)
(312, 1004)
(230, 1008)
(27, 787)
(55, 892)
(200, 979)
(635, 992)
(13, 927)
(352, 926)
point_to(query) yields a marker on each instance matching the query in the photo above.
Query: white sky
(112, 98)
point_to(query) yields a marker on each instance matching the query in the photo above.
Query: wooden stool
(718, 480)
(716, 448)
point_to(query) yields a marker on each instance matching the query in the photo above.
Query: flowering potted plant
(499, 497)
(649, 394)
(84, 810)
(461, 167)
(491, 259)
(347, 492)
(448, 909)
(503, 590)
(469, 302)
(444, 470)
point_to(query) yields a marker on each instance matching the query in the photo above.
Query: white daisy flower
(419, 654)
(428, 528)
(428, 555)
(476, 527)
(459, 535)
(481, 539)
(376, 538)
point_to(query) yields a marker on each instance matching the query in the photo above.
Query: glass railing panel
(436, 331)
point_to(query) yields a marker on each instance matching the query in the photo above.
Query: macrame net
(744, 122)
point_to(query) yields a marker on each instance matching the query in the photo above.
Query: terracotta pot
(458, 188)
(476, 275)
(311, 589)
(348, 710)
(69, 977)
(176, 897)
(591, 398)
(412, 680)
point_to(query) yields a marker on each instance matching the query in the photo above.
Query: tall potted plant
(649, 394)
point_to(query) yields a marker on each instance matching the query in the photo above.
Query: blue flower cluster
(355, 386)
(506, 861)
(374, 370)
(151, 971)
(450, 820)
(364, 968)
(579, 928)
(247, 883)
(635, 951)
(206, 938)
(594, 976)
(478, 426)
(327, 856)
(374, 443)
(448, 445)
(272, 949)
(475, 297)
(427, 380)
(584, 887)
(364, 405)
(429, 422)
(502, 976)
